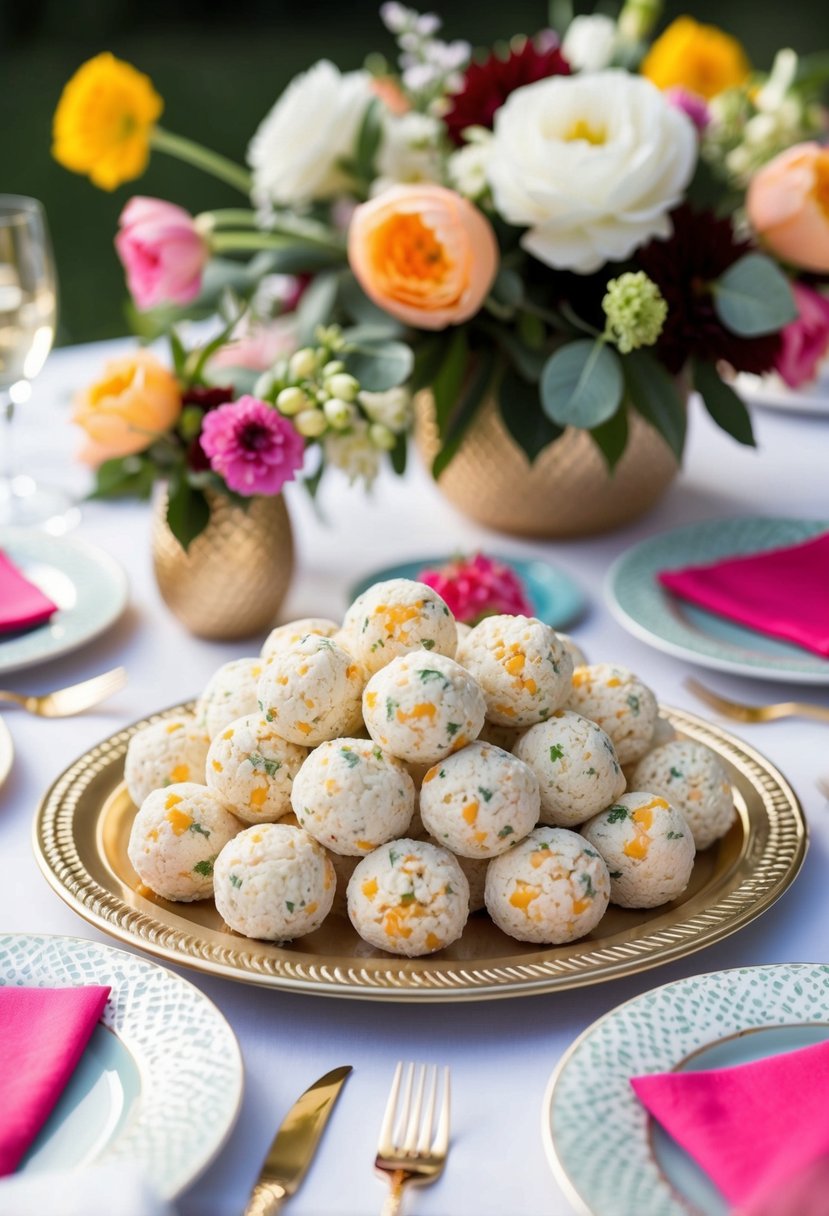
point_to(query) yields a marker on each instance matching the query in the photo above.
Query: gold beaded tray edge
(82, 824)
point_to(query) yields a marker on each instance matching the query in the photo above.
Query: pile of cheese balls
(408, 770)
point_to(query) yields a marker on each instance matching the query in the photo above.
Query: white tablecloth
(501, 1052)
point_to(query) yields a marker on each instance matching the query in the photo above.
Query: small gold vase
(233, 578)
(566, 492)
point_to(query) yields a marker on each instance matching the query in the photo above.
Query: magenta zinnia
(251, 446)
(478, 586)
(486, 86)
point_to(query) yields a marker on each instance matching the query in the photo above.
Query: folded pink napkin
(22, 604)
(43, 1033)
(752, 1127)
(782, 592)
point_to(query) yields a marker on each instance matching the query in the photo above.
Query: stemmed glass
(28, 312)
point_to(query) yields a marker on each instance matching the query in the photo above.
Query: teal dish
(556, 598)
(606, 1151)
(650, 612)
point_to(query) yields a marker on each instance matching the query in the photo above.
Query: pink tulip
(162, 251)
(788, 206)
(805, 340)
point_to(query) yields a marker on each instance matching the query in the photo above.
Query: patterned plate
(82, 829)
(160, 1083)
(88, 586)
(602, 1145)
(650, 612)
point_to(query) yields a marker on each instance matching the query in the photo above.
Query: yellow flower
(104, 121)
(701, 58)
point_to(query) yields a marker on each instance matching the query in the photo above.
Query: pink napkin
(43, 1033)
(782, 592)
(21, 603)
(752, 1127)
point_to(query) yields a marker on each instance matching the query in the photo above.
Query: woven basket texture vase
(566, 492)
(233, 578)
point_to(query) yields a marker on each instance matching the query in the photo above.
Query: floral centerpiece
(577, 225)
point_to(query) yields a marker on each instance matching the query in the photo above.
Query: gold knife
(294, 1144)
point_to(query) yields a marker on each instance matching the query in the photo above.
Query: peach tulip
(788, 206)
(423, 254)
(135, 401)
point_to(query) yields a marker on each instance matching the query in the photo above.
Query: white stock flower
(353, 452)
(392, 408)
(467, 167)
(591, 165)
(409, 150)
(315, 122)
(590, 43)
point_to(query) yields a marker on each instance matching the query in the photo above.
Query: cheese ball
(423, 706)
(573, 649)
(620, 703)
(521, 666)
(648, 847)
(576, 765)
(480, 801)
(167, 752)
(285, 637)
(175, 839)
(408, 897)
(395, 617)
(252, 768)
(694, 781)
(551, 888)
(274, 882)
(352, 796)
(312, 692)
(230, 694)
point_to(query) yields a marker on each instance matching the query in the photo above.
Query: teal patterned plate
(160, 1082)
(606, 1151)
(651, 613)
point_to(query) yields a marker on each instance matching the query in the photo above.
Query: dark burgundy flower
(684, 266)
(206, 398)
(487, 85)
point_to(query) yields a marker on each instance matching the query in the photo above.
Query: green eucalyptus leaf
(581, 384)
(369, 138)
(188, 512)
(475, 389)
(316, 305)
(178, 352)
(753, 297)
(611, 437)
(723, 404)
(398, 455)
(654, 394)
(428, 357)
(379, 365)
(447, 381)
(124, 477)
(519, 405)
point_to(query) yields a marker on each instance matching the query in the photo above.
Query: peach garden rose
(424, 254)
(788, 206)
(135, 401)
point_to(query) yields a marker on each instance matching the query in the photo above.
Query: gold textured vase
(232, 580)
(566, 492)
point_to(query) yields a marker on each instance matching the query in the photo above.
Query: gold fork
(757, 713)
(408, 1153)
(64, 702)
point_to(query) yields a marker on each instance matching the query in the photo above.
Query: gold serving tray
(80, 840)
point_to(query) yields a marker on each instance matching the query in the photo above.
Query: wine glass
(28, 312)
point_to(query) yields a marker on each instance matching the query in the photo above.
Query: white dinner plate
(160, 1082)
(772, 393)
(650, 612)
(88, 586)
(608, 1154)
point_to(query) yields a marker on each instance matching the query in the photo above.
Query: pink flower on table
(691, 104)
(478, 586)
(805, 341)
(259, 347)
(162, 251)
(254, 448)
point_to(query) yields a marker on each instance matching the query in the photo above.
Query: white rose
(467, 166)
(392, 408)
(354, 453)
(591, 165)
(590, 43)
(409, 150)
(314, 124)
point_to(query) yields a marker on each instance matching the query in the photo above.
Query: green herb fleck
(391, 706)
(427, 643)
(633, 702)
(377, 753)
(270, 714)
(587, 883)
(589, 852)
(235, 880)
(508, 831)
(676, 775)
(289, 905)
(591, 772)
(556, 752)
(675, 835)
(445, 610)
(453, 728)
(377, 644)
(616, 814)
(615, 873)
(485, 794)
(365, 625)
(351, 758)
(407, 897)
(271, 767)
(199, 830)
(393, 857)
(428, 673)
(450, 890)
(205, 868)
(442, 772)
(542, 846)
